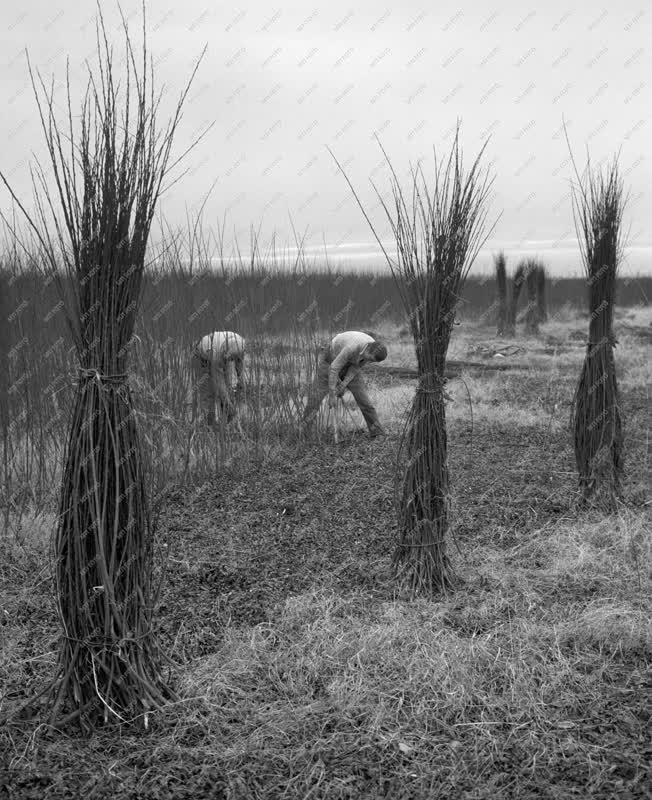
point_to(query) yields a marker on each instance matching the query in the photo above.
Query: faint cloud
(347, 90)
(600, 18)
(636, 92)
(416, 57)
(238, 18)
(491, 90)
(451, 94)
(525, 129)
(594, 60)
(567, 15)
(416, 20)
(419, 90)
(561, 57)
(15, 22)
(525, 57)
(452, 56)
(488, 20)
(634, 57)
(380, 20)
(307, 93)
(345, 55)
(53, 20)
(347, 125)
(524, 21)
(377, 59)
(637, 17)
(598, 92)
(314, 13)
(273, 91)
(339, 25)
(274, 18)
(198, 20)
(562, 93)
(452, 20)
(235, 57)
(380, 93)
(272, 56)
(528, 89)
(493, 52)
(308, 56)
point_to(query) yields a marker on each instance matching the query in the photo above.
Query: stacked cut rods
(437, 239)
(107, 186)
(598, 204)
(500, 263)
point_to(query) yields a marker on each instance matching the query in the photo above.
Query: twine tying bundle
(93, 373)
(608, 338)
(431, 383)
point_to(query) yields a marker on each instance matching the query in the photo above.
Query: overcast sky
(283, 81)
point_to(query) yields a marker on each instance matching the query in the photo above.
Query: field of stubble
(304, 675)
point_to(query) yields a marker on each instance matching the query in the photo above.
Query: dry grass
(424, 696)
(304, 675)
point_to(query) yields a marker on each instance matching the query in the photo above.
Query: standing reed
(598, 204)
(108, 176)
(438, 231)
(501, 292)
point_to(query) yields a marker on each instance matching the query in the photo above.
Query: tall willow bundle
(107, 179)
(517, 284)
(438, 231)
(4, 391)
(501, 292)
(532, 286)
(541, 292)
(598, 204)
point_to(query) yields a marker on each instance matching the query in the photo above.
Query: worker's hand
(332, 400)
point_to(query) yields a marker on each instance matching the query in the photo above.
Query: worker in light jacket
(210, 361)
(339, 368)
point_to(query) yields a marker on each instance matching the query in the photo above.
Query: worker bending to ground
(210, 362)
(339, 368)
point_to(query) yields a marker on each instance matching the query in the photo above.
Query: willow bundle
(107, 186)
(532, 286)
(517, 284)
(438, 234)
(501, 292)
(4, 393)
(598, 204)
(541, 292)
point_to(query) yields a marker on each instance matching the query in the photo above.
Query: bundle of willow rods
(541, 292)
(109, 666)
(598, 204)
(438, 234)
(517, 284)
(501, 292)
(532, 286)
(5, 482)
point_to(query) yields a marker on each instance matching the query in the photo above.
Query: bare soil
(318, 517)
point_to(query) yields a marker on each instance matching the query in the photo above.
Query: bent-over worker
(339, 368)
(210, 361)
